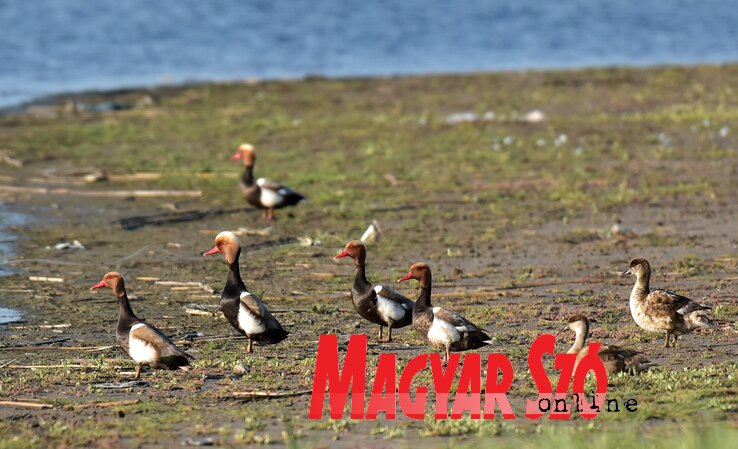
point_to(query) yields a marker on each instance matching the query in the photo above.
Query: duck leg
(668, 337)
(269, 214)
(379, 335)
(138, 372)
(249, 348)
(389, 331)
(447, 355)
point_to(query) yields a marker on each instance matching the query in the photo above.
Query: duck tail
(184, 367)
(639, 365)
(700, 319)
(477, 339)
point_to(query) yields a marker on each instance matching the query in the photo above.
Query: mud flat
(508, 184)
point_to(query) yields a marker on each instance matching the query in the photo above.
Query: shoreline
(58, 99)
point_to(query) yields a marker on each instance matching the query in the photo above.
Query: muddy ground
(513, 214)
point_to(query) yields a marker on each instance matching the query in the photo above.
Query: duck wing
(393, 308)
(617, 359)
(275, 194)
(673, 302)
(459, 322)
(393, 295)
(472, 337)
(258, 310)
(154, 338)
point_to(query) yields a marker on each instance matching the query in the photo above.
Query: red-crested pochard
(440, 326)
(145, 344)
(661, 310)
(615, 358)
(376, 303)
(263, 193)
(245, 311)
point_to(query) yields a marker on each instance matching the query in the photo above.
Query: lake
(53, 46)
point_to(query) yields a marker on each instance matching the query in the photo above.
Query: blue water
(7, 241)
(50, 46)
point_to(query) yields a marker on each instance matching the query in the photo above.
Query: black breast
(365, 303)
(230, 307)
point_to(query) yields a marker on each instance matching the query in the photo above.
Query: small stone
(240, 370)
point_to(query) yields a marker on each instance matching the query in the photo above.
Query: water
(9, 315)
(52, 46)
(7, 240)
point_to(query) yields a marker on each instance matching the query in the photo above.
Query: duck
(144, 343)
(241, 307)
(663, 311)
(376, 303)
(262, 193)
(442, 327)
(615, 358)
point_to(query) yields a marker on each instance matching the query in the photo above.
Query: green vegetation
(515, 218)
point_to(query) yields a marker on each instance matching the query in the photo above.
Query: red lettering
(469, 393)
(416, 409)
(384, 381)
(327, 374)
(442, 381)
(496, 391)
(544, 344)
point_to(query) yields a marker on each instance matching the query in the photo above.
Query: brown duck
(376, 303)
(243, 309)
(661, 310)
(263, 193)
(615, 358)
(439, 326)
(145, 344)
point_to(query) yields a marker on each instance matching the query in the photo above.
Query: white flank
(248, 322)
(269, 197)
(387, 308)
(140, 351)
(442, 332)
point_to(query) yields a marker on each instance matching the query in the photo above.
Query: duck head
(580, 324)
(420, 271)
(227, 244)
(353, 249)
(113, 280)
(638, 267)
(246, 153)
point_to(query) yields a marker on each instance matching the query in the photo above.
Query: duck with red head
(243, 309)
(145, 344)
(376, 303)
(615, 358)
(262, 193)
(439, 326)
(661, 310)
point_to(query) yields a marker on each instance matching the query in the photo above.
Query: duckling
(661, 310)
(615, 358)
